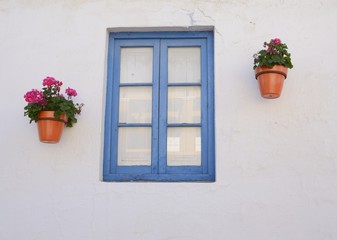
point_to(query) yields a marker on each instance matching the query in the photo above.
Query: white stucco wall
(276, 160)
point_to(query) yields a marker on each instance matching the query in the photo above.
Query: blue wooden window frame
(159, 171)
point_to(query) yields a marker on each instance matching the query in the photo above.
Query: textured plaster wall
(276, 159)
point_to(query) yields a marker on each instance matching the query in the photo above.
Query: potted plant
(271, 67)
(51, 110)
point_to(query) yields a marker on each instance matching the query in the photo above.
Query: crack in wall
(206, 16)
(193, 21)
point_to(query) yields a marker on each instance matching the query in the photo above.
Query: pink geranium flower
(71, 92)
(34, 96)
(49, 81)
(277, 41)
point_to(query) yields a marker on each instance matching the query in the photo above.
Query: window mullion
(155, 107)
(163, 106)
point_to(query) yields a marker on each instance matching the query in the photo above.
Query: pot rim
(49, 115)
(277, 69)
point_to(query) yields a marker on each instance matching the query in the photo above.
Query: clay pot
(271, 80)
(50, 129)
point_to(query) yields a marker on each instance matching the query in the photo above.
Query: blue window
(159, 117)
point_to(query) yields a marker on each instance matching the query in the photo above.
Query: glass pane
(134, 146)
(136, 65)
(184, 65)
(184, 104)
(135, 104)
(183, 146)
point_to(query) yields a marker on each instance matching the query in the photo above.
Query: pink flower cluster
(51, 89)
(271, 45)
(50, 81)
(34, 96)
(276, 41)
(71, 92)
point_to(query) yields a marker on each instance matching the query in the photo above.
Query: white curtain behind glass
(184, 107)
(135, 107)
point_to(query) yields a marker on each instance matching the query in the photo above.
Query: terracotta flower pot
(50, 129)
(271, 80)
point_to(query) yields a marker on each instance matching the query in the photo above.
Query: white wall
(276, 159)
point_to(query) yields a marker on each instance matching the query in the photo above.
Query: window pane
(184, 105)
(136, 65)
(184, 65)
(135, 105)
(134, 146)
(183, 146)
